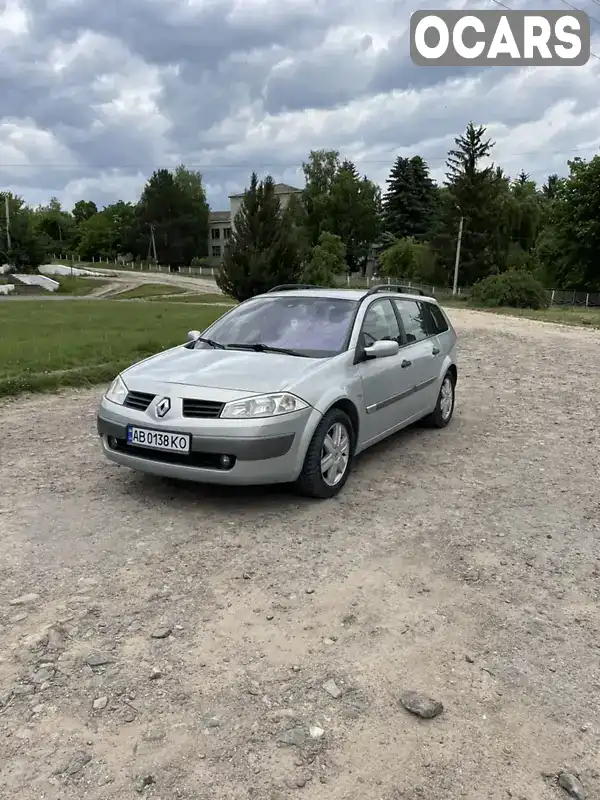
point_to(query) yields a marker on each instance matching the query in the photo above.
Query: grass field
(587, 317)
(199, 298)
(78, 286)
(46, 345)
(150, 290)
(563, 315)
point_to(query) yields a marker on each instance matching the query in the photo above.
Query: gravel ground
(174, 641)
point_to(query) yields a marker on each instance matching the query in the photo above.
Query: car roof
(344, 294)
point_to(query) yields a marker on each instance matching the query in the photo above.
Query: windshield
(315, 327)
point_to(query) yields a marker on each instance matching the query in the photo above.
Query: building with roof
(221, 223)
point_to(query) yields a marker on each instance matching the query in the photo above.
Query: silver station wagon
(288, 386)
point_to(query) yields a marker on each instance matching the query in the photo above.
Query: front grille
(201, 409)
(192, 459)
(138, 400)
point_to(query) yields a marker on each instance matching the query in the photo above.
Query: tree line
(342, 221)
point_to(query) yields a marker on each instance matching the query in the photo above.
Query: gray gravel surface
(174, 641)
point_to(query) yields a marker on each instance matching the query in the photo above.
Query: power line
(280, 164)
(508, 8)
(575, 8)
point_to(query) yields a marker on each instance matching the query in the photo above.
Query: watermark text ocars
(497, 38)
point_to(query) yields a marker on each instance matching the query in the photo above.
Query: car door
(423, 351)
(386, 382)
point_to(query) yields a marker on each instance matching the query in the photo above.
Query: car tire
(312, 482)
(444, 408)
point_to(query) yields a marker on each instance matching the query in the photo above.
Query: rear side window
(415, 320)
(438, 319)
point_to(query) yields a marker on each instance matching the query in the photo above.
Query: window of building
(216, 251)
(215, 233)
(227, 233)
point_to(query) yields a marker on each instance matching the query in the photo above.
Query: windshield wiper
(259, 347)
(211, 342)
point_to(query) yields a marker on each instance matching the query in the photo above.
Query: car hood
(235, 370)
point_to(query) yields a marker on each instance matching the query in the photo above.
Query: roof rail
(284, 287)
(394, 287)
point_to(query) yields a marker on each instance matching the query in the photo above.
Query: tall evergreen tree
(476, 193)
(263, 250)
(411, 201)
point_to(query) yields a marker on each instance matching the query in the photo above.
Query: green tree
(319, 172)
(337, 200)
(552, 186)
(410, 204)
(190, 183)
(110, 233)
(97, 238)
(354, 214)
(328, 259)
(575, 218)
(56, 224)
(476, 193)
(28, 246)
(83, 210)
(263, 250)
(174, 206)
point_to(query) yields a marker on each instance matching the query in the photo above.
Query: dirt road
(123, 280)
(174, 641)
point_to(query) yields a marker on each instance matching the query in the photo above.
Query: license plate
(159, 440)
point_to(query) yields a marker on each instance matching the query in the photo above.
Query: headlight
(117, 391)
(265, 405)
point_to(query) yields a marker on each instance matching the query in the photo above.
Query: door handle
(435, 351)
(405, 363)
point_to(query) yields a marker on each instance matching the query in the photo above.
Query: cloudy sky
(96, 94)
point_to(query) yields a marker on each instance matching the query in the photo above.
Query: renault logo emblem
(163, 406)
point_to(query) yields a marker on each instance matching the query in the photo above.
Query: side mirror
(193, 335)
(382, 349)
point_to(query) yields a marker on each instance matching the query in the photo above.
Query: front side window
(316, 327)
(379, 323)
(414, 320)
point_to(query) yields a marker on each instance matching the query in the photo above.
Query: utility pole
(153, 243)
(7, 209)
(457, 259)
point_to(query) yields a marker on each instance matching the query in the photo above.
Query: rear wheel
(444, 408)
(329, 457)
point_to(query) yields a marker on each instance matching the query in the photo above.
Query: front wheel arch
(310, 480)
(348, 407)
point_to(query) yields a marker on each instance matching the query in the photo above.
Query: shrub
(515, 289)
(407, 259)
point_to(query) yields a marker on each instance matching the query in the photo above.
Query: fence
(556, 297)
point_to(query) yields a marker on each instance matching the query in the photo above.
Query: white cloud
(14, 20)
(95, 103)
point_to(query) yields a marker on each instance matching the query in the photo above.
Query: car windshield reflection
(315, 327)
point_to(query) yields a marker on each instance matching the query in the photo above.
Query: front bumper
(261, 451)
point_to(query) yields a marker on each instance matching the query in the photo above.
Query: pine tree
(476, 193)
(410, 203)
(263, 250)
